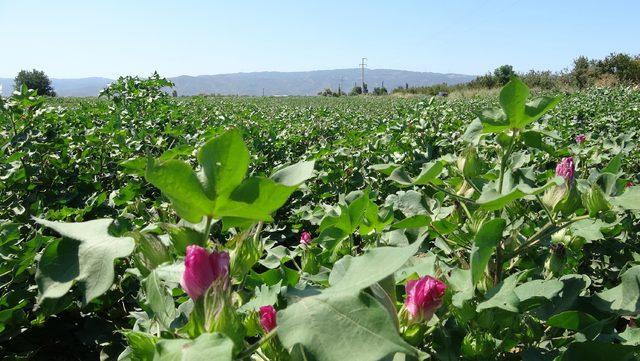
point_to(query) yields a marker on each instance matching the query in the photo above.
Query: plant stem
(546, 229)
(453, 195)
(546, 210)
(503, 160)
(251, 349)
(207, 229)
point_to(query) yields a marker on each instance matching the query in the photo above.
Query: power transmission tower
(362, 65)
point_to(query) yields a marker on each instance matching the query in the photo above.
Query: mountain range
(269, 82)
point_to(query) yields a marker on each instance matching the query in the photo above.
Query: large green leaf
(516, 111)
(257, 197)
(484, 244)
(84, 257)
(181, 185)
(630, 199)
(224, 160)
(207, 347)
(534, 293)
(623, 299)
(159, 300)
(502, 296)
(598, 351)
(428, 173)
(340, 326)
(572, 320)
(492, 200)
(513, 98)
(352, 274)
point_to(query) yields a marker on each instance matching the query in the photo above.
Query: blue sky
(110, 38)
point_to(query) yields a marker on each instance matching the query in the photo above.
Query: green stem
(251, 349)
(549, 228)
(503, 160)
(546, 210)
(207, 229)
(452, 195)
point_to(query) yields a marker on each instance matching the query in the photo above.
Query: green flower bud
(595, 200)
(151, 252)
(477, 345)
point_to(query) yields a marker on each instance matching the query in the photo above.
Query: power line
(362, 65)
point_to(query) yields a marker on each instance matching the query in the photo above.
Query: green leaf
(84, 257)
(614, 166)
(417, 221)
(623, 299)
(572, 320)
(533, 293)
(492, 200)
(385, 169)
(513, 98)
(207, 347)
(516, 112)
(428, 173)
(142, 345)
(224, 160)
(589, 229)
(353, 274)
(421, 264)
(181, 185)
(340, 326)
(630, 199)
(598, 351)
(159, 300)
(502, 296)
(255, 198)
(294, 175)
(484, 244)
(264, 295)
(473, 132)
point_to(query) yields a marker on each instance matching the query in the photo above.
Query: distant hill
(273, 83)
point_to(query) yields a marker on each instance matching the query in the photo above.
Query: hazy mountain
(273, 83)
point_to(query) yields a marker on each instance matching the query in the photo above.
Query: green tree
(625, 67)
(580, 72)
(36, 80)
(357, 90)
(503, 74)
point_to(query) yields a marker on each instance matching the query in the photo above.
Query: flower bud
(629, 184)
(566, 169)
(267, 318)
(424, 297)
(595, 200)
(305, 238)
(557, 259)
(581, 138)
(202, 269)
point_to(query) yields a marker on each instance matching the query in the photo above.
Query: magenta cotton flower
(305, 238)
(581, 138)
(424, 297)
(629, 184)
(267, 318)
(202, 269)
(566, 169)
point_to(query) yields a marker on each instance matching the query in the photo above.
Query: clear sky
(135, 37)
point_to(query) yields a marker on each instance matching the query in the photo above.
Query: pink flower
(305, 238)
(267, 318)
(202, 269)
(581, 138)
(424, 297)
(566, 169)
(629, 184)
